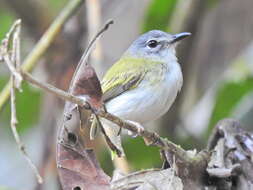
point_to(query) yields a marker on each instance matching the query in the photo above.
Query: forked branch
(12, 59)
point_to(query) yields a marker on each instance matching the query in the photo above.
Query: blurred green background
(216, 62)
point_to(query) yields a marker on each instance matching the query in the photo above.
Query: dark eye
(152, 43)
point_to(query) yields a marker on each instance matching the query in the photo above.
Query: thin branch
(112, 146)
(88, 50)
(12, 60)
(95, 38)
(16, 53)
(43, 44)
(16, 135)
(79, 72)
(18, 77)
(4, 51)
(58, 92)
(149, 137)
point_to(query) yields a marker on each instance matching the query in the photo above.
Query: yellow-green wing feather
(124, 75)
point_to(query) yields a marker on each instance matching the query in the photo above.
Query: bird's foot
(139, 127)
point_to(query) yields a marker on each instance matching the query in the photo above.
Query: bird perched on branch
(144, 83)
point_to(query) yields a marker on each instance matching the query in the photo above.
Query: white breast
(148, 102)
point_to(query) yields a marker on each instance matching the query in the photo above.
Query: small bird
(144, 83)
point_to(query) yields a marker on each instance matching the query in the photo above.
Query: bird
(143, 84)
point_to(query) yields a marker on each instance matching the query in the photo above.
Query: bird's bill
(180, 36)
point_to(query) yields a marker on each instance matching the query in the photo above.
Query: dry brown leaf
(86, 83)
(77, 166)
(80, 170)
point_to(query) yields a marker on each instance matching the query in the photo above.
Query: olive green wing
(122, 76)
(115, 87)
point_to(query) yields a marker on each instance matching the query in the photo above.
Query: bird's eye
(152, 43)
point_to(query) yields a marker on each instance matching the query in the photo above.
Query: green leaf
(158, 15)
(106, 162)
(228, 96)
(7, 20)
(141, 156)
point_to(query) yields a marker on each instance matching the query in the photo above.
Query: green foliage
(141, 156)
(228, 96)
(106, 162)
(158, 15)
(6, 21)
(28, 107)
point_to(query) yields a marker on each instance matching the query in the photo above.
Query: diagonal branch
(149, 137)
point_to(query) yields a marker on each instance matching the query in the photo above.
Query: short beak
(180, 36)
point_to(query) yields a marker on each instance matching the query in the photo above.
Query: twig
(18, 78)
(13, 61)
(95, 38)
(14, 31)
(149, 137)
(112, 146)
(88, 50)
(58, 92)
(43, 44)
(15, 58)
(15, 133)
(83, 59)
(16, 53)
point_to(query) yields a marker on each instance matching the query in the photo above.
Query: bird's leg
(120, 128)
(139, 128)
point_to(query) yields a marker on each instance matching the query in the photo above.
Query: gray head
(156, 44)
